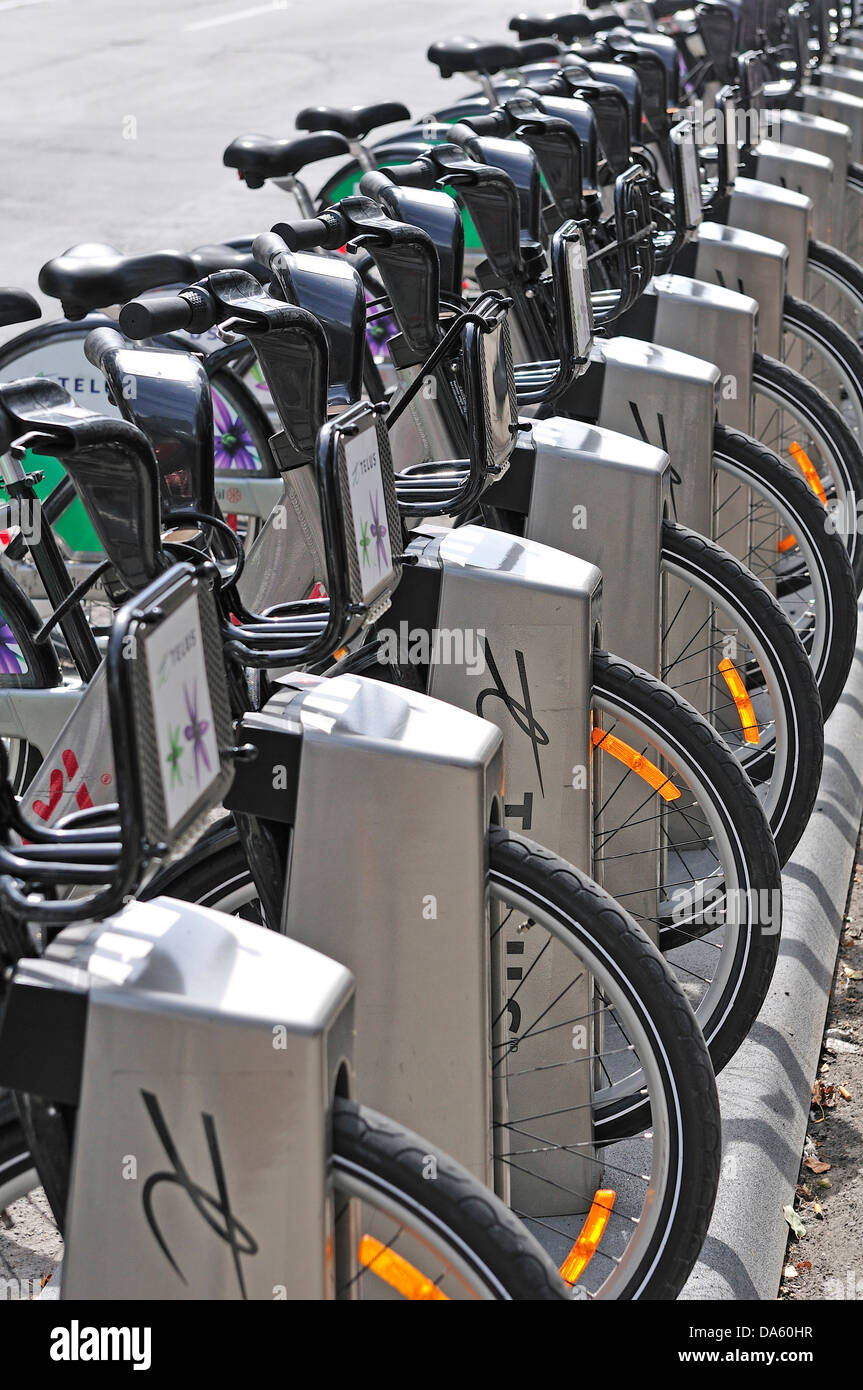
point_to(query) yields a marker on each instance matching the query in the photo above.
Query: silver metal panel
(810, 174)
(668, 399)
(837, 106)
(723, 323)
(819, 134)
(207, 1017)
(671, 397)
(837, 77)
(617, 490)
(600, 495)
(753, 265)
(544, 604)
(779, 213)
(539, 609)
(387, 773)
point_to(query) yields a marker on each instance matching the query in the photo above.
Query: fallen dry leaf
(794, 1221)
(816, 1165)
(804, 1264)
(804, 1192)
(824, 1182)
(823, 1097)
(852, 974)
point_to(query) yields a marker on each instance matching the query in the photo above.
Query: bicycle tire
(817, 571)
(853, 242)
(789, 689)
(832, 265)
(373, 1155)
(843, 456)
(820, 336)
(731, 1003)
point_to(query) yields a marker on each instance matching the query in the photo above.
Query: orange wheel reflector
(787, 543)
(342, 651)
(637, 762)
(399, 1273)
(733, 680)
(809, 471)
(589, 1236)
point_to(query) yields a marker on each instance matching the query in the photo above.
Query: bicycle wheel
(825, 352)
(604, 1100)
(410, 1223)
(854, 213)
(24, 665)
(241, 445)
(681, 841)
(782, 537)
(834, 284)
(799, 424)
(730, 650)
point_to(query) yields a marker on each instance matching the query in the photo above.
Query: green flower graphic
(176, 753)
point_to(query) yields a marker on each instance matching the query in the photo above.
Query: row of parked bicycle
(485, 534)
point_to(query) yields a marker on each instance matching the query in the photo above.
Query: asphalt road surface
(115, 115)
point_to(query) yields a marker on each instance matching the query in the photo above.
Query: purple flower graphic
(379, 532)
(234, 450)
(195, 730)
(12, 662)
(379, 332)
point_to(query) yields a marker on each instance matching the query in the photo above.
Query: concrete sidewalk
(765, 1090)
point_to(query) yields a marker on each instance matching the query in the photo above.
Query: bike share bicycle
(324, 721)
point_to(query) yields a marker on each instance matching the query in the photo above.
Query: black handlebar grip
(418, 174)
(100, 341)
(305, 235)
(591, 53)
(496, 123)
(266, 247)
(154, 314)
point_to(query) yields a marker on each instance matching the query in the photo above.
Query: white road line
(19, 4)
(209, 23)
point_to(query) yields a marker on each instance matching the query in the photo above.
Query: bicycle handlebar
(312, 233)
(151, 315)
